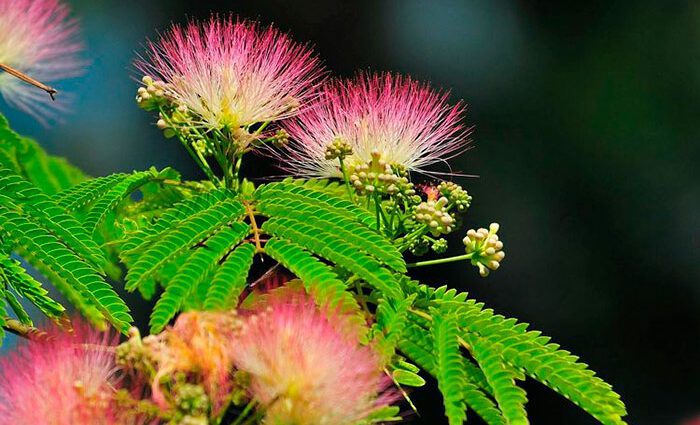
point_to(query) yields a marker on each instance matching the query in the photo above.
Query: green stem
(380, 210)
(408, 238)
(244, 413)
(346, 179)
(236, 172)
(261, 128)
(441, 260)
(197, 157)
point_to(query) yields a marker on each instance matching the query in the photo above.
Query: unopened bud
(485, 248)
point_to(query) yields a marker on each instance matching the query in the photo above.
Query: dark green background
(586, 129)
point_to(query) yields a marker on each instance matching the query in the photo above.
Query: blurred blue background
(586, 131)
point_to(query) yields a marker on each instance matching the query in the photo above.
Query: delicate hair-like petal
(67, 379)
(304, 369)
(233, 73)
(405, 120)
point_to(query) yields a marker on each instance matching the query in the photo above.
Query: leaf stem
(441, 260)
(346, 179)
(254, 226)
(244, 413)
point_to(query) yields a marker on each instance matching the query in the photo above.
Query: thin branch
(27, 79)
(25, 331)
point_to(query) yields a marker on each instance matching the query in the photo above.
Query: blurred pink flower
(196, 345)
(231, 73)
(39, 39)
(303, 369)
(68, 379)
(406, 121)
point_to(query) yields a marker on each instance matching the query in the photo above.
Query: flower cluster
(282, 353)
(219, 86)
(434, 214)
(226, 76)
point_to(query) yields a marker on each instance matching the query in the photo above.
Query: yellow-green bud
(485, 247)
(435, 215)
(338, 149)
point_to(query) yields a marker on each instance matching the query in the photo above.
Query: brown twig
(254, 225)
(27, 79)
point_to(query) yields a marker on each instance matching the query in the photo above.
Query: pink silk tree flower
(196, 345)
(38, 39)
(68, 379)
(303, 369)
(231, 74)
(405, 121)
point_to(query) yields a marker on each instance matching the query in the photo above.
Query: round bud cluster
(439, 246)
(152, 94)
(280, 139)
(456, 195)
(135, 352)
(435, 215)
(485, 248)
(191, 399)
(419, 246)
(178, 120)
(378, 176)
(338, 149)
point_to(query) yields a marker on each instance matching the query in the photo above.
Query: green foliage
(26, 158)
(198, 265)
(16, 278)
(449, 369)
(229, 280)
(173, 241)
(115, 193)
(318, 278)
(391, 319)
(318, 191)
(503, 349)
(56, 244)
(511, 398)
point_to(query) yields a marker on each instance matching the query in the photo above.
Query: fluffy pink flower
(68, 379)
(37, 38)
(303, 369)
(231, 73)
(196, 345)
(404, 120)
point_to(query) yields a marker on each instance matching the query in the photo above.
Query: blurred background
(587, 124)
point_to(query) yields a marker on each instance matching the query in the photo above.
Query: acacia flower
(230, 74)
(38, 39)
(67, 379)
(403, 121)
(303, 369)
(196, 346)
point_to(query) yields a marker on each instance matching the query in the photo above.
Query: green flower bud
(191, 399)
(281, 138)
(439, 246)
(338, 149)
(456, 195)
